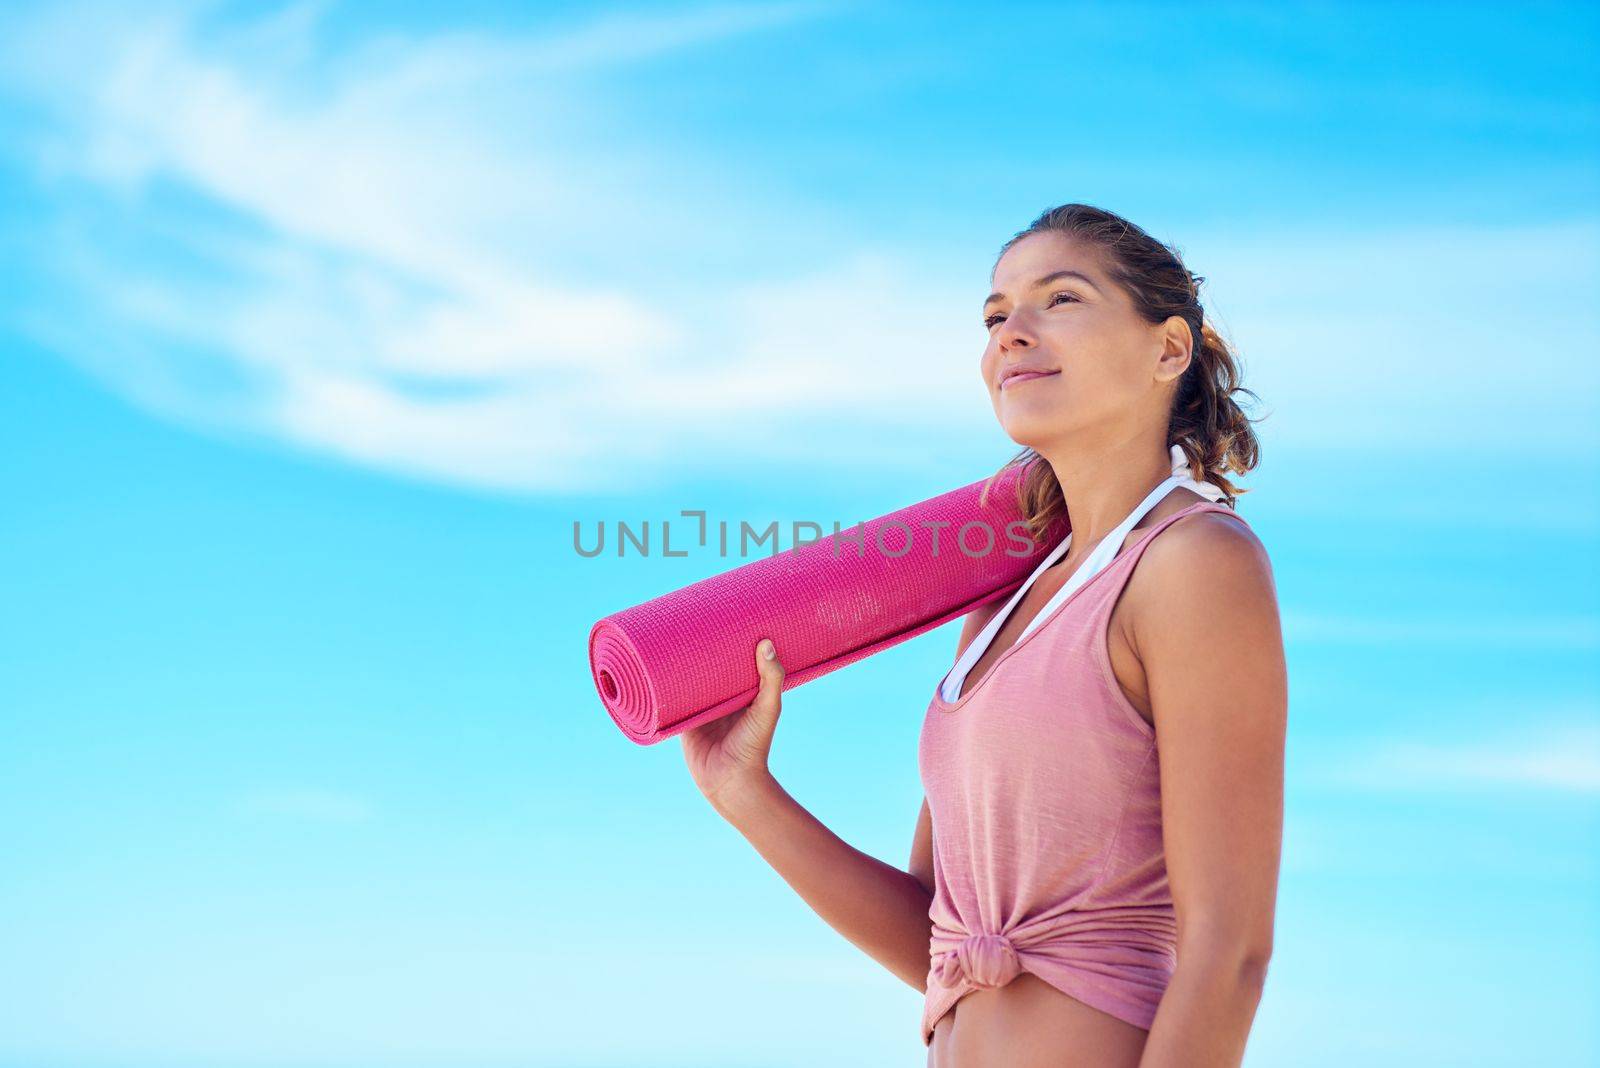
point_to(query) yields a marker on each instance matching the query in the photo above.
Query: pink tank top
(1043, 784)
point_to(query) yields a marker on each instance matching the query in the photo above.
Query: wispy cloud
(1543, 632)
(1561, 757)
(454, 255)
(394, 278)
(1456, 339)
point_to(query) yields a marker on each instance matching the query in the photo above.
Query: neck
(1103, 481)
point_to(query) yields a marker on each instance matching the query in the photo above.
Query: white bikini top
(1103, 554)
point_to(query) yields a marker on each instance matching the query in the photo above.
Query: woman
(1094, 870)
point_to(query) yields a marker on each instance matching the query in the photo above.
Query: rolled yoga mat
(688, 657)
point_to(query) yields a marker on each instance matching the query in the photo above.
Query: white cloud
(1562, 757)
(1467, 338)
(455, 257)
(391, 284)
(1568, 632)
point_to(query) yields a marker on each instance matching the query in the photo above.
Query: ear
(1177, 349)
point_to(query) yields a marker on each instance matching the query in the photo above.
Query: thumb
(768, 701)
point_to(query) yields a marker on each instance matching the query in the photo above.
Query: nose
(1010, 342)
(984, 960)
(1013, 333)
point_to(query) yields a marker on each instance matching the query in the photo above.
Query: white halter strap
(1098, 560)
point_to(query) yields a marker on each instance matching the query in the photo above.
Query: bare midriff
(1030, 1024)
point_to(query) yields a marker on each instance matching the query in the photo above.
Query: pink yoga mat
(688, 657)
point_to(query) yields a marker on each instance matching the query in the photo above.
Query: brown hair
(1206, 421)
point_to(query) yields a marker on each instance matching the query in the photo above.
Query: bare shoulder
(1215, 536)
(1208, 559)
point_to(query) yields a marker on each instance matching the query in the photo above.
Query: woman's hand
(731, 752)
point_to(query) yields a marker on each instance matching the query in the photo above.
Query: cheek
(1092, 383)
(988, 363)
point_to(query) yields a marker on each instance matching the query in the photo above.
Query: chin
(1028, 424)
(1031, 432)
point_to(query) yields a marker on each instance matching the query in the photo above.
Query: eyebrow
(1046, 280)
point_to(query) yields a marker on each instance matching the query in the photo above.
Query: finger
(769, 698)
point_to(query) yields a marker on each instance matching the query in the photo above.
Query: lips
(1018, 378)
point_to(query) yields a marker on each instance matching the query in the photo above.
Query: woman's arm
(1205, 626)
(880, 909)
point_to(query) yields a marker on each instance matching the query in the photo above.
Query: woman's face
(1099, 364)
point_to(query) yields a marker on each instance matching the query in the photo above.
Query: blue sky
(320, 326)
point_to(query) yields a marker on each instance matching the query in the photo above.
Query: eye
(991, 320)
